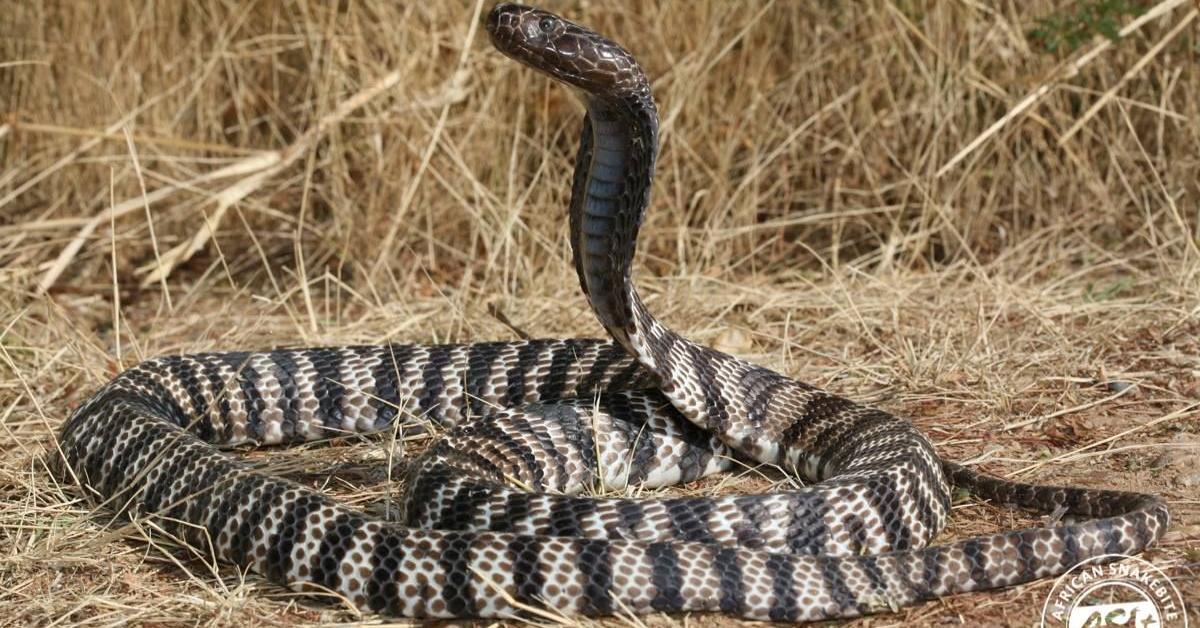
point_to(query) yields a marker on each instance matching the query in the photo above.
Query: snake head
(568, 52)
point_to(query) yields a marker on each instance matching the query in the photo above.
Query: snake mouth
(564, 50)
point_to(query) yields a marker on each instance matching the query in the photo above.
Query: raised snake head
(568, 52)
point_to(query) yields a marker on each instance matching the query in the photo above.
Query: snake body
(558, 418)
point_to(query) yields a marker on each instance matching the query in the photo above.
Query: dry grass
(185, 176)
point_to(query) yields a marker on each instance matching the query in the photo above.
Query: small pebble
(1118, 385)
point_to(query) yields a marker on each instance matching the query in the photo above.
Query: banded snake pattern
(495, 521)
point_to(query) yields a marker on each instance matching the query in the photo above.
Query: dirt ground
(982, 217)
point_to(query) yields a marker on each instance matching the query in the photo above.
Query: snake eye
(546, 24)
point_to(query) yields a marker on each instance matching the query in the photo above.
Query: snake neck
(613, 175)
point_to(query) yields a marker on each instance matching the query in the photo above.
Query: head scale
(566, 51)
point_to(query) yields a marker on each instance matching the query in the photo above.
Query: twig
(499, 315)
(1091, 404)
(124, 207)
(173, 142)
(137, 170)
(458, 82)
(281, 159)
(1133, 71)
(81, 149)
(1059, 458)
(1073, 68)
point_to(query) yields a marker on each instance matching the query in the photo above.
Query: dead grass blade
(274, 163)
(1072, 69)
(1133, 71)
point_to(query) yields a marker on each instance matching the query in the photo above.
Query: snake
(510, 512)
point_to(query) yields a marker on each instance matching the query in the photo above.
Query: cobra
(649, 408)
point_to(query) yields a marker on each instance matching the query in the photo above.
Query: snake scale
(495, 522)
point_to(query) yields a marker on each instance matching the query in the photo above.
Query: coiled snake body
(558, 417)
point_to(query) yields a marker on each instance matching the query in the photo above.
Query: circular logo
(1099, 593)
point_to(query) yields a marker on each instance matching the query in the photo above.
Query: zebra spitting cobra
(495, 522)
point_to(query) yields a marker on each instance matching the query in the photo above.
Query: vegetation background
(983, 216)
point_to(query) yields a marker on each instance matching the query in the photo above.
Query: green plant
(1096, 293)
(1067, 30)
